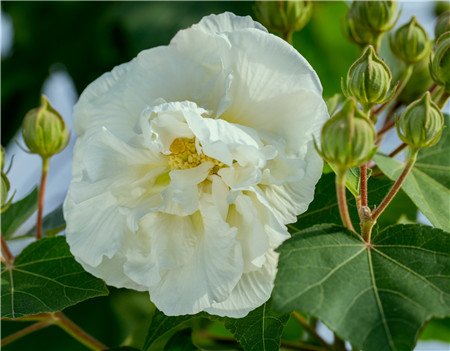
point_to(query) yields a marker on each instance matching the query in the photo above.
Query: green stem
(310, 329)
(342, 201)
(443, 99)
(45, 167)
(75, 331)
(28, 330)
(396, 187)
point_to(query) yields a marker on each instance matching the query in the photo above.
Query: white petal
(209, 276)
(226, 22)
(252, 291)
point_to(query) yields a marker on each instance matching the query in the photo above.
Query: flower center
(184, 155)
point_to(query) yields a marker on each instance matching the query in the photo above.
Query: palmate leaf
(261, 329)
(45, 278)
(181, 341)
(376, 297)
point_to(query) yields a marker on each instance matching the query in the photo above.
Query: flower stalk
(342, 201)
(6, 252)
(45, 168)
(28, 330)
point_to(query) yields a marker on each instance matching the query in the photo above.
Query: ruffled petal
(209, 276)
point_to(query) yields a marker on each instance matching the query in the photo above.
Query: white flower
(191, 160)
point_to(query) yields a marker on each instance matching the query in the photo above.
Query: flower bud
(4, 195)
(368, 79)
(410, 42)
(348, 138)
(284, 16)
(421, 123)
(440, 62)
(442, 24)
(44, 130)
(3, 157)
(374, 16)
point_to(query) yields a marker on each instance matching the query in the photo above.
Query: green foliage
(375, 296)
(18, 213)
(261, 329)
(45, 278)
(437, 329)
(181, 341)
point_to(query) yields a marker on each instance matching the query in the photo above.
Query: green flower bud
(44, 130)
(410, 43)
(368, 79)
(4, 193)
(348, 138)
(421, 123)
(374, 16)
(3, 157)
(440, 62)
(284, 16)
(442, 24)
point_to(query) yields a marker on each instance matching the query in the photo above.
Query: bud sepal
(440, 62)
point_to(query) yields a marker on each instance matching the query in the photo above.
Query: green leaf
(324, 208)
(52, 224)
(430, 196)
(261, 329)
(163, 325)
(18, 213)
(401, 210)
(437, 329)
(181, 341)
(375, 296)
(352, 179)
(45, 278)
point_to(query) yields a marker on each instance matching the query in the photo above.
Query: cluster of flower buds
(440, 62)
(44, 130)
(284, 17)
(368, 80)
(367, 20)
(421, 123)
(410, 42)
(348, 138)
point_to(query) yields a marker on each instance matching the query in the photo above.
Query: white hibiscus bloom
(191, 160)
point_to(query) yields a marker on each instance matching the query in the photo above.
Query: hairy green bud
(374, 16)
(421, 123)
(368, 79)
(410, 42)
(284, 16)
(44, 130)
(3, 157)
(348, 138)
(4, 193)
(440, 62)
(442, 24)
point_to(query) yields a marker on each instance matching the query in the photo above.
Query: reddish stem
(342, 201)
(398, 149)
(363, 184)
(28, 330)
(9, 257)
(45, 164)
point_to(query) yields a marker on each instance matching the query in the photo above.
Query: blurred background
(58, 48)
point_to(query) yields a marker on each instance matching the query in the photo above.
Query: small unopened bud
(440, 62)
(442, 24)
(410, 42)
(348, 138)
(4, 195)
(3, 157)
(284, 16)
(374, 16)
(421, 123)
(368, 79)
(44, 130)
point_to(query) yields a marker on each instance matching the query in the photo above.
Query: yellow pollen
(184, 155)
